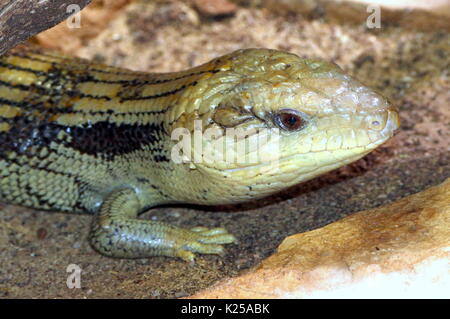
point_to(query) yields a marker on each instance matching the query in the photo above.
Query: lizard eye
(289, 120)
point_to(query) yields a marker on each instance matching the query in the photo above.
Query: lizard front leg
(116, 232)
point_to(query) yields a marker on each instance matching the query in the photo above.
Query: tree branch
(21, 19)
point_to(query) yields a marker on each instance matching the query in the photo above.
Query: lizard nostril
(385, 122)
(376, 123)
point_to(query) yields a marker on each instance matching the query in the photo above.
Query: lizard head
(275, 120)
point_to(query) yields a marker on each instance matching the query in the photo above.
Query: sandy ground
(408, 65)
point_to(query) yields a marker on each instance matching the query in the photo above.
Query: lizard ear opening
(228, 116)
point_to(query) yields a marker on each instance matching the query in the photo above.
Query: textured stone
(397, 250)
(68, 37)
(215, 7)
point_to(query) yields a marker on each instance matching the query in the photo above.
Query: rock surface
(93, 19)
(400, 250)
(214, 8)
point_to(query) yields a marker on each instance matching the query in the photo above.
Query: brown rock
(410, 14)
(215, 7)
(440, 7)
(93, 19)
(398, 250)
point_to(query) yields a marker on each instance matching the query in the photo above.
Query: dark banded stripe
(103, 139)
(87, 78)
(19, 68)
(163, 94)
(19, 86)
(19, 104)
(48, 112)
(44, 91)
(70, 60)
(106, 140)
(90, 78)
(90, 67)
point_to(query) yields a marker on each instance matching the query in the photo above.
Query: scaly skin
(82, 137)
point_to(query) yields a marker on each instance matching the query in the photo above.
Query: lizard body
(88, 138)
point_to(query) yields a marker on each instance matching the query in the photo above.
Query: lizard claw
(204, 241)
